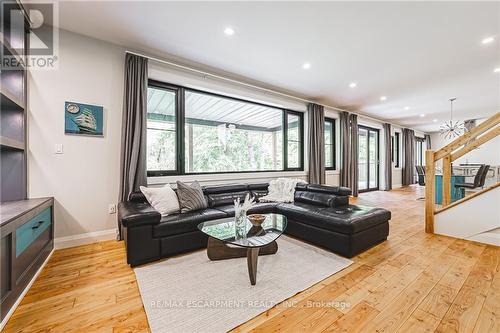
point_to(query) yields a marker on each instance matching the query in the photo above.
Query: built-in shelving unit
(13, 101)
(26, 225)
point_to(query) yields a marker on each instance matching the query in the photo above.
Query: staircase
(475, 217)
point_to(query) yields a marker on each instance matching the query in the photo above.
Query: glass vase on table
(240, 215)
(240, 225)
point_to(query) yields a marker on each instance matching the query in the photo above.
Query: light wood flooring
(413, 282)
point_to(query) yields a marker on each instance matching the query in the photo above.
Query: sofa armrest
(132, 214)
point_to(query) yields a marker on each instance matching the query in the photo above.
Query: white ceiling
(418, 54)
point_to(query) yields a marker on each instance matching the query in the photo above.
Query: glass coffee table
(261, 240)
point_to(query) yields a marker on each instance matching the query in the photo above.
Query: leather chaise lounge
(320, 215)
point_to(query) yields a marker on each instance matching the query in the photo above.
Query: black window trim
(334, 144)
(180, 132)
(396, 141)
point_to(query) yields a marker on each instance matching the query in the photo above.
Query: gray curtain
(349, 151)
(133, 143)
(316, 119)
(408, 157)
(428, 141)
(388, 157)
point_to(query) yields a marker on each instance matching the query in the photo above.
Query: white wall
(462, 221)
(85, 178)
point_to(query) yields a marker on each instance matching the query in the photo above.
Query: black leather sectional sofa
(320, 215)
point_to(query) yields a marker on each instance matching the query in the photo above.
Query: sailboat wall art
(83, 119)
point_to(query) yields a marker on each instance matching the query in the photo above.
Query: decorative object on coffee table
(256, 219)
(223, 243)
(240, 213)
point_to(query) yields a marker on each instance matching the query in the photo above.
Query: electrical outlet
(112, 208)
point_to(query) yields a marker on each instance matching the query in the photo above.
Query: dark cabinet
(27, 238)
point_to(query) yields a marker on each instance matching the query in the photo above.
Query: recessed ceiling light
(488, 40)
(229, 31)
(306, 65)
(383, 98)
(496, 70)
(435, 120)
(407, 108)
(422, 115)
(353, 85)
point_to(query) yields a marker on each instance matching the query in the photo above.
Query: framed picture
(83, 119)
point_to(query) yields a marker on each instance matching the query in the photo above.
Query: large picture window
(191, 131)
(330, 144)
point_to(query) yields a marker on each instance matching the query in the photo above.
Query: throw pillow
(190, 196)
(163, 199)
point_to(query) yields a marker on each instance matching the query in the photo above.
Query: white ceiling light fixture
(434, 120)
(450, 129)
(229, 31)
(422, 115)
(383, 98)
(487, 40)
(407, 108)
(353, 85)
(306, 65)
(496, 70)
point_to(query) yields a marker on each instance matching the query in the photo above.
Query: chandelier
(450, 129)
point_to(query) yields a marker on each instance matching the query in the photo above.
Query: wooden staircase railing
(482, 133)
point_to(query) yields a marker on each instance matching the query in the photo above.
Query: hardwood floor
(413, 282)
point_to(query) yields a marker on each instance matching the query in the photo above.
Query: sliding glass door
(368, 157)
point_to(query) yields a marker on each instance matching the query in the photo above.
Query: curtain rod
(223, 78)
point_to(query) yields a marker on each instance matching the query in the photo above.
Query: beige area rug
(190, 293)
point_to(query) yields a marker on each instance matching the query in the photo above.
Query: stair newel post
(430, 189)
(446, 180)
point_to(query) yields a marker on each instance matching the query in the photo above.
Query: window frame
(300, 115)
(180, 133)
(395, 141)
(333, 131)
(419, 145)
(179, 93)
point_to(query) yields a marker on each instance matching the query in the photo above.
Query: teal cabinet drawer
(31, 230)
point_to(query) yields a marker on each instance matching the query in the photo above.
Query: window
(161, 130)
(227, 135)
(395, 149)
(330, 144)
(294, 139)
(191, 131)
(419, 151)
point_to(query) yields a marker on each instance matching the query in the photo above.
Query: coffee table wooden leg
(252, 257)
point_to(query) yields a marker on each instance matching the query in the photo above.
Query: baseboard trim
(83, 239)
(20, 298)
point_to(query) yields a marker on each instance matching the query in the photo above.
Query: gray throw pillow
(190, 196)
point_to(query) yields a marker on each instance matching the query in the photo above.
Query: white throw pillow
(163, 199)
